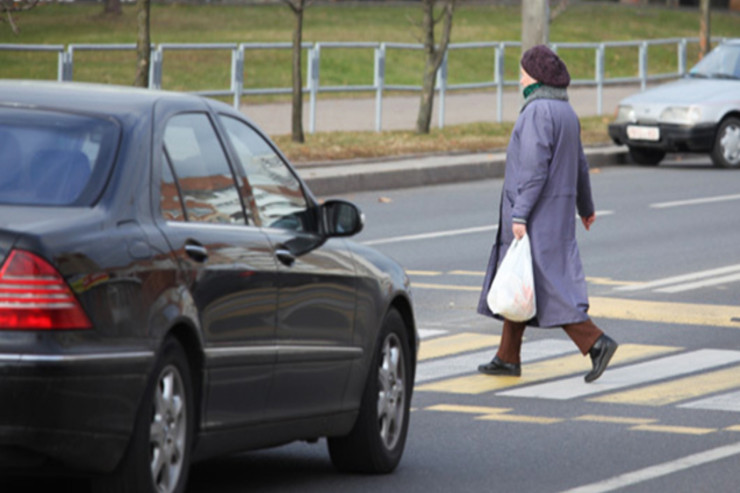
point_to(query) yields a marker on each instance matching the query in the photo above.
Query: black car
(171, 291)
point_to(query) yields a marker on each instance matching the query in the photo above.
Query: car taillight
(33, 296)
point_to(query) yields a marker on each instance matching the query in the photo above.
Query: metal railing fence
(313, 87)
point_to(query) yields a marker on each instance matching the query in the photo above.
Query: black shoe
(498, 367)
(601, 353)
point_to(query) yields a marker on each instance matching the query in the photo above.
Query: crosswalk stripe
(540, 371)
(665, 312)
(678, 390)
(724, 402)
(651, 371)
(619, 420)
(684, 430)
(468, 363)
(457, 343)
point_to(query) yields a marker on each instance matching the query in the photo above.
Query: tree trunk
(434, 57)
(297, 113)
(535, 23)
(143, 43)
(705, 35)
(112, 7)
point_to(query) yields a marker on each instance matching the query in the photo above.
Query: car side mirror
(341, 218)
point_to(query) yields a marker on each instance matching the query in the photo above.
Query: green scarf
(531, 88)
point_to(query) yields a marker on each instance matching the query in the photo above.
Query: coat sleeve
(535, 155)
(584, 199)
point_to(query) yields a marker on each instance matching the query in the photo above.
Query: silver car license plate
(643, 133)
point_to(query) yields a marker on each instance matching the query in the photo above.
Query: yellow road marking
(458, 343)
(606, 281)
(423, 273)
(514, 418)
(478, 273)
(621, 420)
(454, 408)
(733, 428)
(666, 312)
(447, 287)
(676, 390)
(494, 414)
(542, 370)
(683, 430)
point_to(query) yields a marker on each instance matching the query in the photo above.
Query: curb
(332, 179)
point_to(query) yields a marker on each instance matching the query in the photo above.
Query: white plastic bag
(512, 291)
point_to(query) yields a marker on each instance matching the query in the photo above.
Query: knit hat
(545, 66)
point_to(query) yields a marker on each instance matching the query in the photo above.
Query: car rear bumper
(673, 138)
(72, 410)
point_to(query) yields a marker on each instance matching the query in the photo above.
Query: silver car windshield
(721, 63)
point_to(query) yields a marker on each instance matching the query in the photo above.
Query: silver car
(698, 113)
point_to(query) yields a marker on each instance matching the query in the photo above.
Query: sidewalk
(399, 113)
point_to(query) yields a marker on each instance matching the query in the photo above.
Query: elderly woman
(546, 181)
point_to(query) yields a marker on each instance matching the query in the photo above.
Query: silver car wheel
(730, 144)
(391, 391)
(168, 431)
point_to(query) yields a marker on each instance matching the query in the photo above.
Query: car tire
(376, 443)
(645, 156)
(726, 151)
(157, 459)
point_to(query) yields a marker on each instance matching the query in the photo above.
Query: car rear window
(53, 158)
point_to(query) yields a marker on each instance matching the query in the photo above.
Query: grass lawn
(65, 24)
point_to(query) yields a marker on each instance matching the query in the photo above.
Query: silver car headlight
(681, 115)
(625, 114)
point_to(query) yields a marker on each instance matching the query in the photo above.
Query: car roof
(87, 98)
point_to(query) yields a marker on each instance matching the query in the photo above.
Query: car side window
(201, 170)
(277, 193)
(170, 201)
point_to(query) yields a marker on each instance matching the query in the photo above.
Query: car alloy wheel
(392, 391)
(376, 442)
(168, 431)
(726, 153)
(158, 456)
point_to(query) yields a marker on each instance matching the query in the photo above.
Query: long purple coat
(546, 181)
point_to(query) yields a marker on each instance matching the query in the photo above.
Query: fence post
(68, 64)
(498, 77)
(442, 86)
(237, 74)
(379, 83)
(682, 57)
(600, 79)
(63, 65)
(314, 56)
(643, 62)
(155, 68)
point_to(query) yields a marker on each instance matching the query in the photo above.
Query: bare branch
(9, 7)
(559, 9)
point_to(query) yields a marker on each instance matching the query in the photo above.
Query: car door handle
(196, 252)
(285, 256)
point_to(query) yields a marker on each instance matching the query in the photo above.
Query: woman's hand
(519, 230)
(588, 221)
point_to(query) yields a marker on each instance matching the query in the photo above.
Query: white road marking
(452, 232)
(684, 278)
(660, 470)
(427, 333)
(468, 363)
(705, 200)
(427, 236)
(724, 402)
(613, 379)
(700, 284)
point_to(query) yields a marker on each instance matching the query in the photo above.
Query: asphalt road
(664, 279)
(663, 268)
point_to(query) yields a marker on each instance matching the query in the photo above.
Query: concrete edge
(417, 173)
